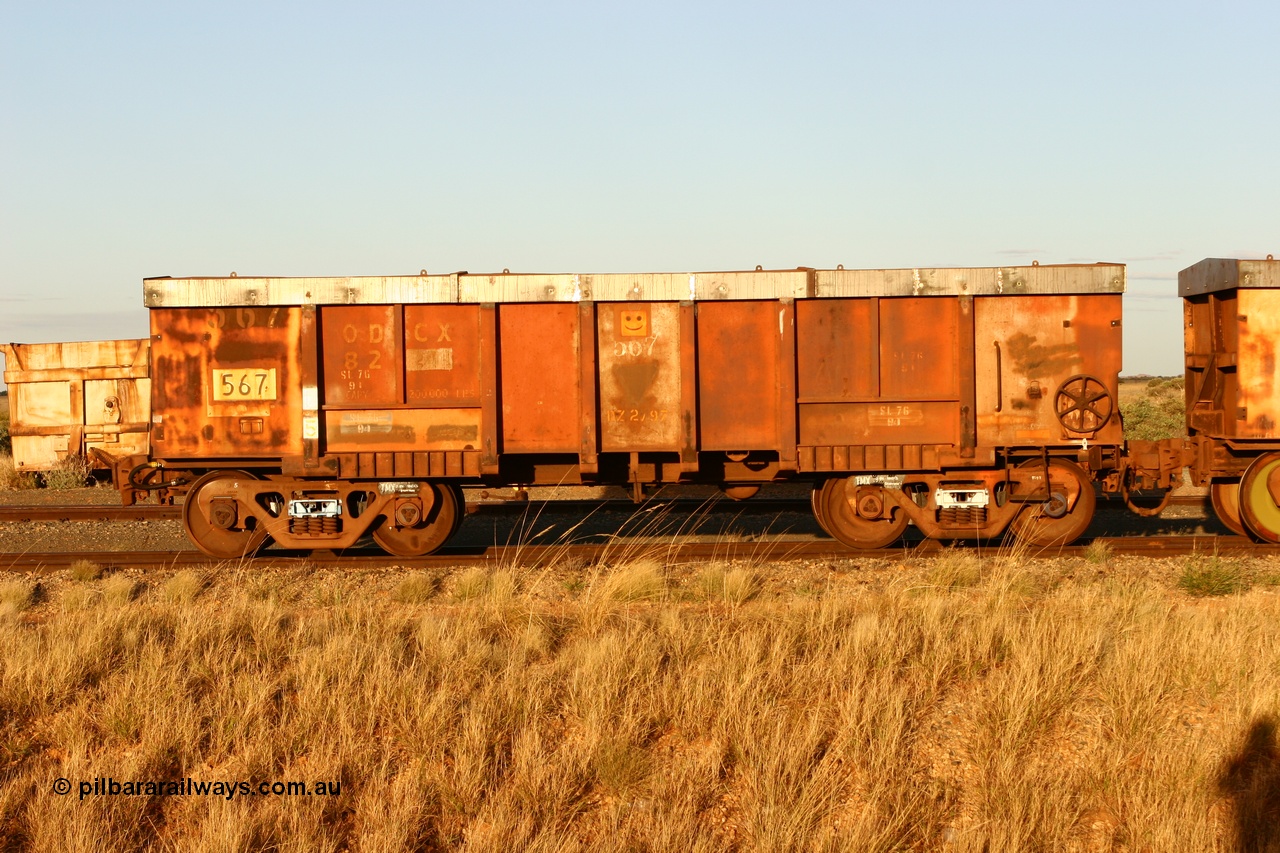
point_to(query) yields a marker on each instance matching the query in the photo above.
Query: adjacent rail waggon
(87, 399)
(1231, 312)
(965, 402)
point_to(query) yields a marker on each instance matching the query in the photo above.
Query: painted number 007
(634, 348)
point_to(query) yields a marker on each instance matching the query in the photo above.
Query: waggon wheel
(842, 521)
(815, 501)
(1258, 509)
(212, 538)
(1225, 498)
(462, 506)
(1051, 522)
(428, 534)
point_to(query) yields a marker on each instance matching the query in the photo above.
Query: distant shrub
(71, 472)
(1159, 414)
(6, 443)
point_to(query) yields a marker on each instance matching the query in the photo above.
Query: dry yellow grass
(954, 703)
(11, 479)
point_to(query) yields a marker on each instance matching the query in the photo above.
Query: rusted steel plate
(738, 374)
(1027, 348)
(539, 354)
(362, 355)
(442, 355)
(1257, 409)
(640, 379)
(376, 430)
(881, 372)
(919, 338)
(225, 382)
(1211, 344)
(838, 349)
(902, 422)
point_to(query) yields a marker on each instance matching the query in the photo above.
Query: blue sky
(319, 139)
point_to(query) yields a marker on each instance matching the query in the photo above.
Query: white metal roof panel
(1216, 274)
(799, 283)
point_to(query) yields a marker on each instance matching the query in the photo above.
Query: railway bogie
(230, 513)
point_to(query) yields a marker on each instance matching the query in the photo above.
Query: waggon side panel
(877, 372)
(740, 352)
(540, 367)
(820, 359)
(1026, 347)
(226, 382)
(362, 350)
(1257, 319)
(442, 355)
(70, 398)
(641, 381)
(401, 379)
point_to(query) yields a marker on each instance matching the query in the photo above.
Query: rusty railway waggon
(314, 411)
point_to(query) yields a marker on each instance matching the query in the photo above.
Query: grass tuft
(86, 570)
(639, 580)
(79, 598)
(1158, 413)
(119, 590)
(17, 596)
(957, 568)
(730, 585)
(471, 584)
(70, 472)
(1212, 576)
(185, 586)
(13, 480)
(1098, 553)
(417, 588)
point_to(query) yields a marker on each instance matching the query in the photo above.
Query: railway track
(10, 514)
(761, 550)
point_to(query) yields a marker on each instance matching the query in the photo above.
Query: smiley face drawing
(634, 322)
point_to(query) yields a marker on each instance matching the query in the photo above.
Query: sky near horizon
(146, 139)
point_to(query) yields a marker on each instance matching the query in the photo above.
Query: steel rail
(13, 513)
(756, 551)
